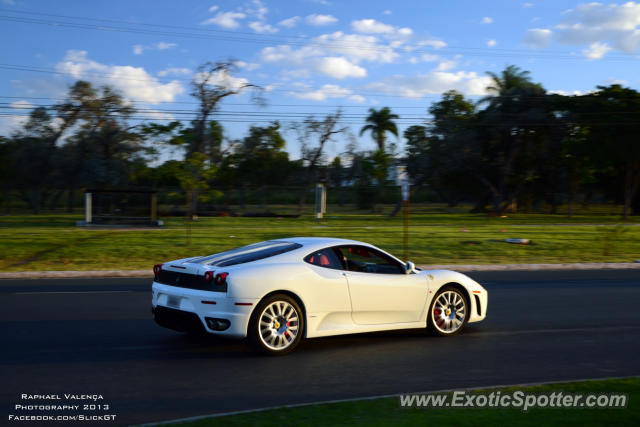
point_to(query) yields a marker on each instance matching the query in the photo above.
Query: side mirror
(410, 268)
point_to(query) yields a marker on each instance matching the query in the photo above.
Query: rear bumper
(177, 320)
(184, 309)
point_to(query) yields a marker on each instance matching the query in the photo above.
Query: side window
(324, 258)
(367, 260)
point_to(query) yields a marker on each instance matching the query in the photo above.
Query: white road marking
(551, 331)
(69, 292)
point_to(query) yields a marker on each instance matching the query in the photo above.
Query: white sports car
(279, 291)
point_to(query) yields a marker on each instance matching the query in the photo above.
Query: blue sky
(310, 56)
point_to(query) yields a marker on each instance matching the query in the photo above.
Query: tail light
(221, 278)
(157, 269)
(208, 276)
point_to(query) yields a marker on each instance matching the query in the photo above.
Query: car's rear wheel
(277, 325)
(449, 311)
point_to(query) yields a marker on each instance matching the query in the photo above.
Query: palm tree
(511, 80)
(379, 122)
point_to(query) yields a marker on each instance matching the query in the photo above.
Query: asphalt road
(97, 337)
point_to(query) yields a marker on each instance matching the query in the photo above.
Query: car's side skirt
(358, 329)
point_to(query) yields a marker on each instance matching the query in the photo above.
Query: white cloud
(427, 57)
(354, 48)
(12, 122)
(487, 20)
(139, 49)
(357, 98)
(223, 79)
(164, 45)
(339, 68)
(600, 27)
(538, 37)
(312, 58)
(258, 10)
(22, 105)
(323, 93)
(446, 65)
(491, 43)
(150, 114)
(213, 9)
(436, 44)
(565, 93)
(609, 82)
(413, 60)
(262, 27)
(227, 20)
(357, 47)
(527, 5)
(289, 22)
(320, 20)
(134, 82)
(435, 82)
(174, 71)
(371, 26)
(596, 50)
(387, 12)
(249, 66)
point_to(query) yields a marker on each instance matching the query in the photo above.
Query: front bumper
(182, 308)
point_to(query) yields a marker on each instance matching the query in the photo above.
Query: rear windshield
(253, 252)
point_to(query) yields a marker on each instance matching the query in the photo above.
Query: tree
(31, 158)
(447, 160)
(321, 131)
(103, 144)
(36, 145)
(516, 131)
(195, 175)
(210, 85)
(259, 159)
(506, 84)
(611, 115)
(379, 122)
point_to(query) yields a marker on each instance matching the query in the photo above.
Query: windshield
(253, 252)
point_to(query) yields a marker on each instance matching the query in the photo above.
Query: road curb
(76, 274)
(534, 267)
(457, 267)
(365, 398)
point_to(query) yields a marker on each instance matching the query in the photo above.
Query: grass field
(387, 412)
(53, 242)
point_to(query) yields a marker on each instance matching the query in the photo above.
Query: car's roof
(322, 241)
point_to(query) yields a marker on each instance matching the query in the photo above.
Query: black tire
(443, 323)
(285, 336)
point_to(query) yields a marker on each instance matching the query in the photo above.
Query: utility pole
(321, 201)
(405, 208)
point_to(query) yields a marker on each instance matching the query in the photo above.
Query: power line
(138, 101)
(245, 37)
(306, 91)
(408, 122)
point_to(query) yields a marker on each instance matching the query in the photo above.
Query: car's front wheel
(449, 311)
(277, 325)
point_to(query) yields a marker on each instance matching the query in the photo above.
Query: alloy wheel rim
(279, 325)
(449, 312)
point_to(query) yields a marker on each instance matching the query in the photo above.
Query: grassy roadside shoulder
(387, 411)
(53, 242)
